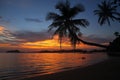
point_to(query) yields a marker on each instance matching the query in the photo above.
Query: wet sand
(106, 70)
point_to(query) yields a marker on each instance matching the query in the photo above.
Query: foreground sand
(106, 70)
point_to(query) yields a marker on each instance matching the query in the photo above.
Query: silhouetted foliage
(116, 34)
(64, 22)
(107, 11)
(13, 51)
(116, 2)
(67, 26)
(114, 46)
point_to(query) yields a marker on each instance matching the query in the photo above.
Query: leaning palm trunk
(60, 41)
(92, 44)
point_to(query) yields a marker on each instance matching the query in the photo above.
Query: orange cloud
(45, 44)
(52, 44)
(28, 42)
(1, 28)
(5, 45)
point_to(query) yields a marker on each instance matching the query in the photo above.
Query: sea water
(16, 66)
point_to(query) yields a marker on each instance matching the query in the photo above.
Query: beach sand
(106, 70)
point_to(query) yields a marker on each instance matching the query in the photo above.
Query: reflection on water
(18, 66)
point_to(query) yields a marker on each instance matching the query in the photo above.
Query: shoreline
(105, 70)
(58, 51)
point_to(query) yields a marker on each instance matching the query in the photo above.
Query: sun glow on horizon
(53, 44)
(9, 41)
(45, 44)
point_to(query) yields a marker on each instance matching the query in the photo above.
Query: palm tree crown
(64, 22)
(107, 11)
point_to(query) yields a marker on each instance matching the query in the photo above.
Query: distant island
(69, 51)
(58, 51)
(13, 51)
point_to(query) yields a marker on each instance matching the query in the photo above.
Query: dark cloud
(1, 17)
(18, 37)
(33, 20)
(3, 20)
(29, 36)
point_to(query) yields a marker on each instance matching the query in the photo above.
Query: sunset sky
(23, 25)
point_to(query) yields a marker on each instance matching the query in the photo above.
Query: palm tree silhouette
(107, 11)
(65, 23)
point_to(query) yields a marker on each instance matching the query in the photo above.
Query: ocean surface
(16, 66)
